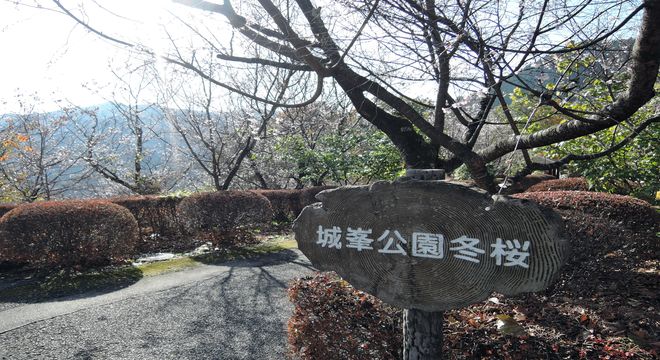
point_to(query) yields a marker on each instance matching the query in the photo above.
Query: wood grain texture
(434, 207)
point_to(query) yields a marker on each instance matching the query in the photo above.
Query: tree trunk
(415, 151)
(249, 145)
(422, 335)
(263, 184)
(422, 330)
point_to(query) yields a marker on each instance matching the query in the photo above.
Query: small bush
(568, 184)
(332, 320)
(160, 226)
(636, 214)
(214, 213)
(68, 234)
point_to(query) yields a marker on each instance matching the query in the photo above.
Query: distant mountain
(531, 76)
(542, 75)
(114, 144)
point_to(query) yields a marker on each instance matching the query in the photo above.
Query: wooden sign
(432, 245)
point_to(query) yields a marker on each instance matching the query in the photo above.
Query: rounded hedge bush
(631, 212)
(287, 204)
(67, 234)
(5, 208)
(284, 202)
(568, 184)
(160, 226)
(223, 211)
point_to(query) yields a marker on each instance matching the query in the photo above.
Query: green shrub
(68, 234)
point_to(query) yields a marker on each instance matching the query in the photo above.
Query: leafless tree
(44, 164)
(462, 47)
(116, 139)
(219, 141)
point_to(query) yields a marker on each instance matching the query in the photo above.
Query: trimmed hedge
(332, 320)
(218, 212)
(67, 234)
(283, 202)
(160, 226)
(5, 208)
(287, 204)
(167, 223)
(568, 184)
(636, 214)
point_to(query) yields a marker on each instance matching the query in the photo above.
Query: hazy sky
(46, 53)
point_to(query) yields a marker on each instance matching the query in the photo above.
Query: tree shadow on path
(29, 286)
(239, 314)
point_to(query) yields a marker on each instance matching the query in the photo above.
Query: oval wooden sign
(432, 245)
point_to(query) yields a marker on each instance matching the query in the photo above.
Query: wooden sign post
(430, 246)
(422, 330)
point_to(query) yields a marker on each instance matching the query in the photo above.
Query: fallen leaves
(604, 305)
(508, 326)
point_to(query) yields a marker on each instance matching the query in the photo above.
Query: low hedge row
(68, 234)
(567, 184)
(283, 202)
(213, 215)
(99, 232)
(160, 226)
(287, 204)
(636, 214)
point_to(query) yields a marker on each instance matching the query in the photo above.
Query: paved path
(237, 310)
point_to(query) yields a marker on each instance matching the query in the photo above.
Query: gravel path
(237, 310)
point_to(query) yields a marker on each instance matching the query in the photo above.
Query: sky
(45, 53)
(48, 55)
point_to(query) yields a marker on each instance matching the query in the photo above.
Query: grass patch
(268, 244)
(33, 288)
(277, 243)
(167, 266)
